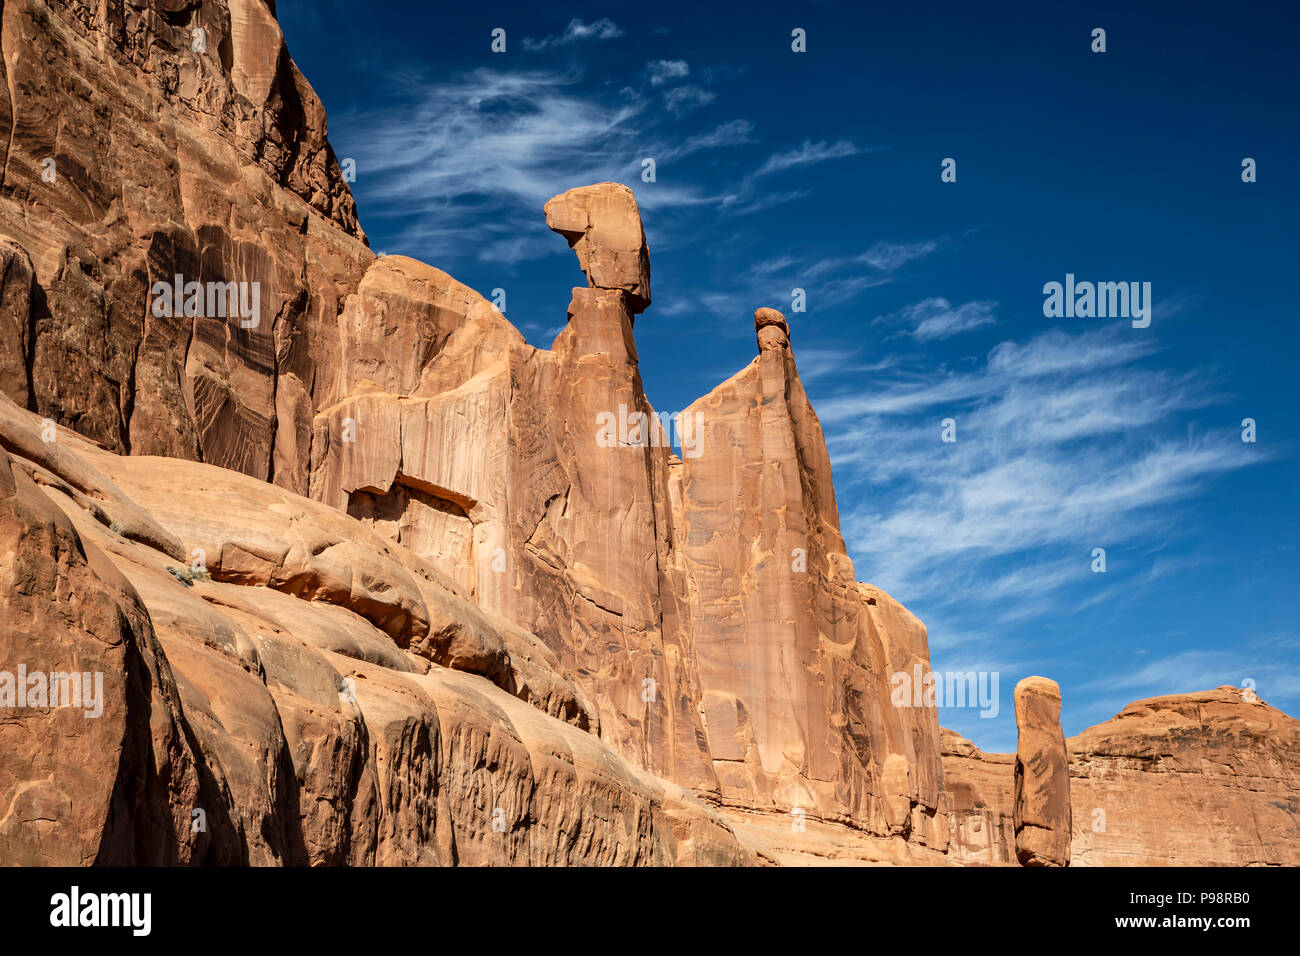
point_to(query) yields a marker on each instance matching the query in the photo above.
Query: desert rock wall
(372, 580)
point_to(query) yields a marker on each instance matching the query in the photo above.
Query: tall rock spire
(782, 630)
(1042, 776)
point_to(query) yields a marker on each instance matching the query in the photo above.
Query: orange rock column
(1042, 793)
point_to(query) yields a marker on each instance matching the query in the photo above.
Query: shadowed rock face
(371, 580)
(15, 320)
(171, 139)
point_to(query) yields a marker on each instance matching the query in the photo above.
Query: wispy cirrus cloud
(748, 197)
(937, 318)
(486, 135)
(828, 281)
(892, 256)
(664, 71)
(466, 163)
(749, 202)
(683, 99)
(817, 363)
(883, 259)
(808, 154)
(1063, 443)
(463, 164)
(731, 133)
(576, 32)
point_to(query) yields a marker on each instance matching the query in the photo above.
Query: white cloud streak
(806, 155)
(466, 163)
(1064, 443)
(662, 71)
(938, 318)
(576, 32)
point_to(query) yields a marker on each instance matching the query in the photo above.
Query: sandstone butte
(364, 588)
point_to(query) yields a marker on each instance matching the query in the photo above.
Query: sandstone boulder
(772, 329)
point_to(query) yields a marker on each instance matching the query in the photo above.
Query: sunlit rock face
(603, 226)
(370, 579)
(782, 629)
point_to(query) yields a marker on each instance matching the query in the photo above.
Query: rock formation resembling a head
(773, 331)
(603, 226)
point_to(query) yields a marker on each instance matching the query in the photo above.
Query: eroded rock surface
(783, 630)
(979, 796)
(152, 140)
(298, 720)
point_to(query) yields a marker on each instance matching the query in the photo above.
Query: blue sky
(821, 170)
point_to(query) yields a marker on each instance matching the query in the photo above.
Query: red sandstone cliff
(371, 581)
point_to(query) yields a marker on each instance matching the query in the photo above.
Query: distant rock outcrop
(1201, 779)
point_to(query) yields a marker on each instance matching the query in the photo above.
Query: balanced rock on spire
(603, 226)
(773, 331)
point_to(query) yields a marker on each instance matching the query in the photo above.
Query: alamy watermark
(211, 300)
(658, 430)
(44, 691)
(927, 688)
(75, 909)
(1100, 300)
